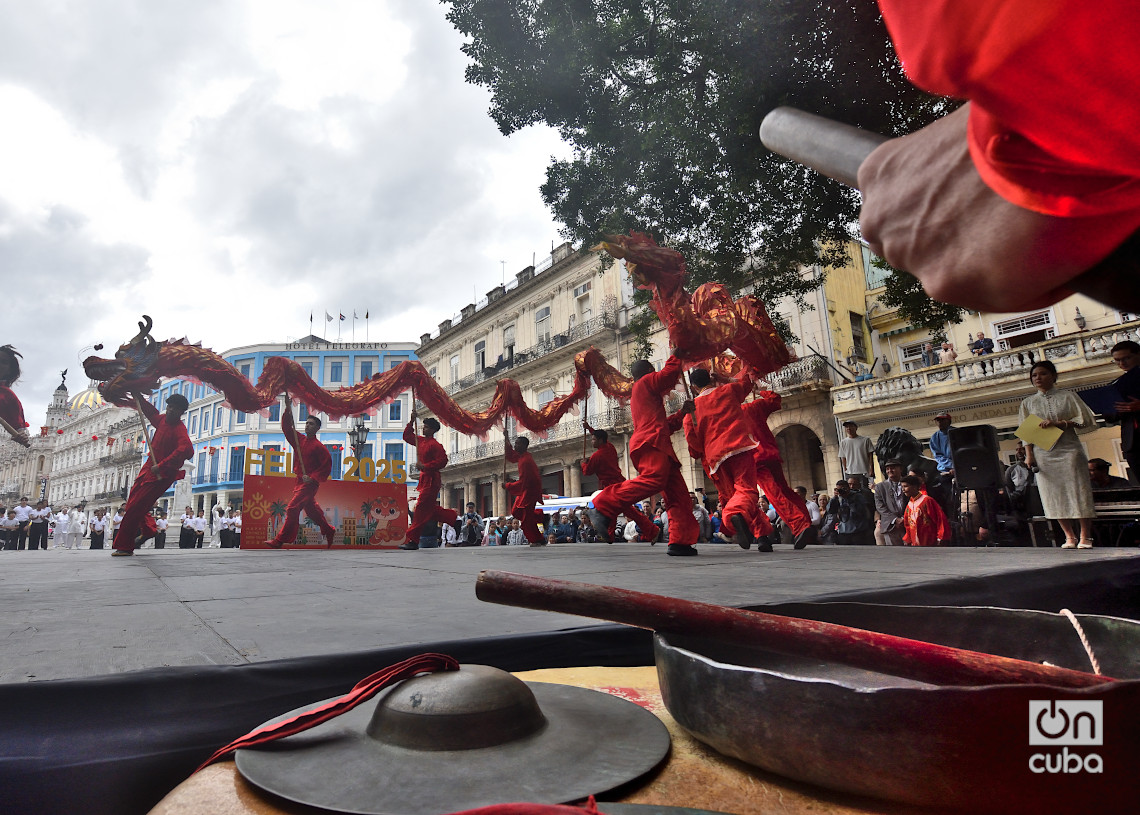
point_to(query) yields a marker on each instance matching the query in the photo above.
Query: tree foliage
(662, 101)
(904, 292)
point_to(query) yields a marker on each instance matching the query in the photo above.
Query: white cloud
(228, 167)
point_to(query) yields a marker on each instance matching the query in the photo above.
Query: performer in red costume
(1001, 204)
(719, 434)
(430, 458)
(312, 465)
(11, 411)
(604, 464)
(652, 454)
(170, 446)
(527, 490)
(791, 508)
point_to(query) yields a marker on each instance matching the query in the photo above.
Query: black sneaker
(409, 547)
(765, 545)
(681, 550)
(741, 533)
(601, 524)
(809, 535)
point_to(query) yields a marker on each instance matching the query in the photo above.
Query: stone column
(498, 501)
(574, 479)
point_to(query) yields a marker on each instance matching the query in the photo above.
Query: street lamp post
(358, 435)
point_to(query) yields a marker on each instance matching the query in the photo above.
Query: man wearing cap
(940, 444)
(430, 458)
(312, 464)
(170, 447)
(1101, 476)
(855, 452)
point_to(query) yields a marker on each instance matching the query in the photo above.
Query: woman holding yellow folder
(1063, 469)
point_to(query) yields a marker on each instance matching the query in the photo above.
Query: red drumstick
(884, 653)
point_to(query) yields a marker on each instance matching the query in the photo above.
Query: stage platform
(122, 674)
(70, 614)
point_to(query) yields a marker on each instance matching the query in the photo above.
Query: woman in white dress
(1063, 477)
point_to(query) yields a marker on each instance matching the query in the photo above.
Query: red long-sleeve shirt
(604, 464)
(11, 409)
(314, 455)
(430, 455)
(651, 427)
(528, 488)
(758, 412)
(170, 444)
(721, 425)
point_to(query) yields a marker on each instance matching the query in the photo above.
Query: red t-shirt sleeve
(1054, 90)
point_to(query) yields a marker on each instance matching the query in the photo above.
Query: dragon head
(132, 369)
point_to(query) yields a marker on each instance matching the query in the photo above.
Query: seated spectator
(586, 533)
(493, 535)
(516, 537)
(562, 529)
(812, 506)
(1102, 479)
(630, 533)
(851, 517)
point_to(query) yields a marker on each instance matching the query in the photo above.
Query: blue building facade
(221, 436)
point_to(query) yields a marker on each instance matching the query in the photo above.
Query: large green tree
(662, 102)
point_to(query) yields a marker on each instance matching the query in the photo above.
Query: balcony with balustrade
(1083, 359)
(571, 342)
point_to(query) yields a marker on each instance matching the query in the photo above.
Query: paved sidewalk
(70, 614)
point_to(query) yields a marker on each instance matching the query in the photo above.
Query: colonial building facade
(530, 331)
(221, 435)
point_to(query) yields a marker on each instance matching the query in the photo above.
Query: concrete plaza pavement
(82, 613)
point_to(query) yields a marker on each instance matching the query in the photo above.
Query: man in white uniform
(62, 539)
(76, 526)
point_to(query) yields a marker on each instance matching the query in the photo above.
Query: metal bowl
(971, 748)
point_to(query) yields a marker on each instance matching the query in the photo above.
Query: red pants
(789, 506)
(657, 472)
(304, 498)
(136, 517)
(645, 524)
(528, 519)
(735, 481)
(428, 512)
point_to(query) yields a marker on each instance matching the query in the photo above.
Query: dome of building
(88, 397)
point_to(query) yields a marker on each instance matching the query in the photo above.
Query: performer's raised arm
(667, 378)
(410, 436)
(287, 425)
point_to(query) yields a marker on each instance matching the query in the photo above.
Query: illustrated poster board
(367, 515)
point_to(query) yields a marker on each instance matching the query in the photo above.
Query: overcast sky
(228, 166)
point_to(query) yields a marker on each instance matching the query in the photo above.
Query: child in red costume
(527, 490)
(11, 411)
(720, 435)
(312, 465)
(791, 508)
(430, 458)
(170, 446)
(604, 464)
(926, 523)
(652, 454)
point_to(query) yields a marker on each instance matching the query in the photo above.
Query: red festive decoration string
(364, 690)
